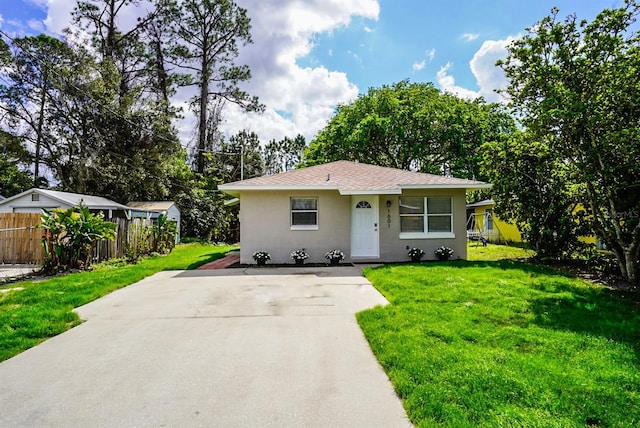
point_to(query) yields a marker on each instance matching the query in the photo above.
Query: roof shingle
(351, 178)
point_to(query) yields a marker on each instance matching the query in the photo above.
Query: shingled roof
(351, 178)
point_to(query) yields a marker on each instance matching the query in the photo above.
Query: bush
(71, 236)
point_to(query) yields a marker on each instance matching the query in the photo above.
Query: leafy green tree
(32, 73)
(205, 35)
(203, 215)
(574, 84)
(13, 180)
(130, 141)
(412, 126)
(283, 155)
(14, 158)
(531, 189)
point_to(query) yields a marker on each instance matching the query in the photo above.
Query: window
(304, 213)
(488, 220)
(430, 217)
(35, 197)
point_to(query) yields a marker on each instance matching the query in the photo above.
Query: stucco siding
(265, 219)
(394, 249)
(265, 225)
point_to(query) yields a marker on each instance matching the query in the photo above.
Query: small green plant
(443, 253)
(261, 257)
(70, 236)
(164, 235)
(415, 254)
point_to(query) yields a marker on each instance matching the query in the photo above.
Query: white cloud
(419, 65)
(367, 29)
(1, 20)
(483, 66)
(469, 37)
(307, 96)
(488, 76)
(36, 25)
(431, 54)
(448, 84)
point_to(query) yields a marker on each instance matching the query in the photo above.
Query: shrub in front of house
(415, 254)
(261, 257)
(443, 253)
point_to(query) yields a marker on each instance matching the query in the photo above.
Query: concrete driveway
(228, 348)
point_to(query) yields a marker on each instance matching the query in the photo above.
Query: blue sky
(308, 56)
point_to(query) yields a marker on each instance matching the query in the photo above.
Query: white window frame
(425, 234)
(304, 226)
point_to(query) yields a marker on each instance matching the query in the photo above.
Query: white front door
(364, 226)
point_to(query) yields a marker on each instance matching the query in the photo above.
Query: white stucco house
(34, 200)
(152, 209)
(371, 213)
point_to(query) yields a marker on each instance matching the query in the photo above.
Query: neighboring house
(371, 213)
(34, 200)
(482, 223)
(152, 209)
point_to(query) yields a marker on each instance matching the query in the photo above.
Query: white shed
(152, 209)
(34, 200)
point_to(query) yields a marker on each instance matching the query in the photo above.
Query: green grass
(506, 344)
(45, 308)
(476, 252)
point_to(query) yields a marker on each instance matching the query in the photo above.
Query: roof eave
(467, 186)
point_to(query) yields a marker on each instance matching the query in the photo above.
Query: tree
(205, 36)
(32, 69)
(131, 139)
(237, 159)
(575, 87)
(283, 155)
(411, 126)
(14, 177)
(532, 190)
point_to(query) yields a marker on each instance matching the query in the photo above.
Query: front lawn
(476, 252)
(45, 308)
(506, 344)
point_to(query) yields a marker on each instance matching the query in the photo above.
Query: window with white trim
(426, 217)
(304, 213)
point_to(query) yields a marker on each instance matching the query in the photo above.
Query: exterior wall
(508, 232)
(265, 226)
(24, 204)
(394, 249)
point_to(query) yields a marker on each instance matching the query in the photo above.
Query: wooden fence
(20, 239)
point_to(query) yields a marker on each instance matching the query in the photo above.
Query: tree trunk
(202, 126)
(629, 265)
(43, 97)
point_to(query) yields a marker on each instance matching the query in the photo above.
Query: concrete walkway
(210, 348)
(16, 271)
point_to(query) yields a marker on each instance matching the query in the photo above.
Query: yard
(506, 343)
(45, 308)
